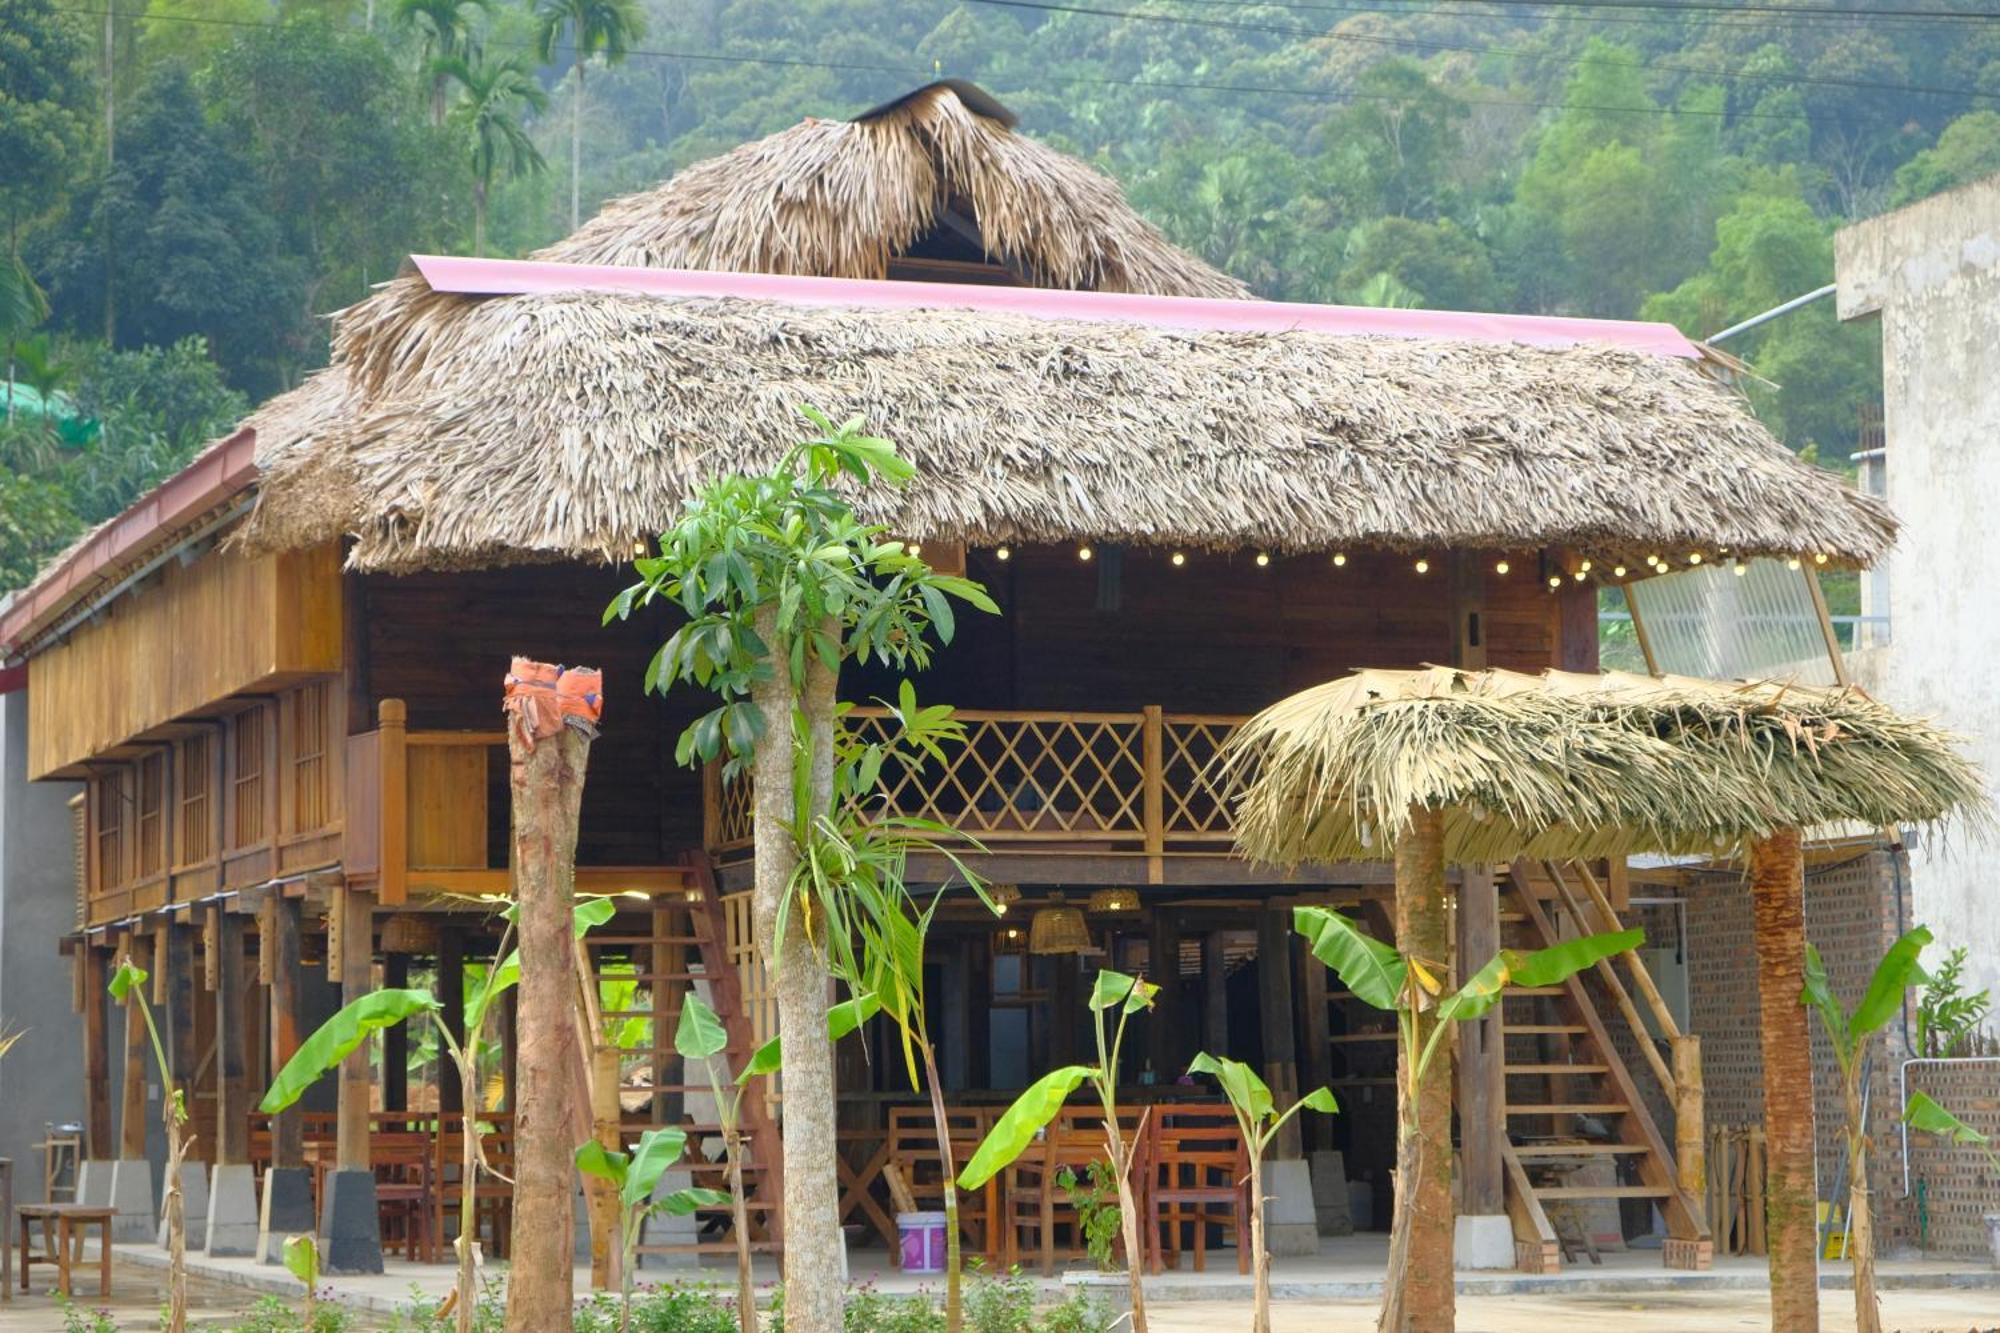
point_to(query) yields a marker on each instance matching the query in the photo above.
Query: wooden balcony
(421, 817)
(1132, 787)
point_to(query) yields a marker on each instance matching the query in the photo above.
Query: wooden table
(64, 1226)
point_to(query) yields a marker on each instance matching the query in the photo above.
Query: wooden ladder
(1577, 1102)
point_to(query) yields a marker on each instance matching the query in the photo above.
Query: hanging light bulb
(1618, 571)
(1793, 563)
(1423, 566)
(1694, 557)
(1004, 553)
(1500, 567)
(1555, 581)
(1083, 553)
(1820, 559)
(1339, 559)
(1739, 569)
(916, 549)
(1585, 566)
(1654, 560)
(1578, 576)
(1179, 559)
(1263, 559)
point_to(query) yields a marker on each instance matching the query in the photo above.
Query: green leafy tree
(446, 28)
(1258, 1115)
(592, 28)
(1850, 1035)
(1435, 264)
(1968, 150)
(1394, 150)
(1413, 990)
(779, 585)
(636, 1175)
(36, 521)
(1950, 1018)
(1113, 1000)
(493, 98)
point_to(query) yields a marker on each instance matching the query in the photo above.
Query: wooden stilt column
(396, 1040)
(1777, 888)
(232, 1081)
(132, 1087)
(98, 1143)
(348, 1218)
(1163, 1044)
(1274, 996)
(286, 1208)
(451, 995)
(1215, 995)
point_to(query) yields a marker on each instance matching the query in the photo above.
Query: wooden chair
(493, 1198)
(1199, 1177)
(405, 1192)
(64, 1226)
(1032, 1201)
(912, 1144)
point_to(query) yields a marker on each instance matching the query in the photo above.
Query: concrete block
(93, 1183)
(1291, 1224)
(350, 1228)
(286, 1210)
(1329, 1190)
(131, 1194)
(1483, 1241)
(232, 1211)
(194, 1207)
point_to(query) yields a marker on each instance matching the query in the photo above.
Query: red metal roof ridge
(516, 277)
(217, 475)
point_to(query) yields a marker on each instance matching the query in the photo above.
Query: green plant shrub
(671, 1308)
(422, 1313)
(272, 1314)
(1094, 1195)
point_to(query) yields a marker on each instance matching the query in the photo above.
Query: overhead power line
(1717, 18)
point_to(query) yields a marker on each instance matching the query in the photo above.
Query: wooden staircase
(1572, 1104)
(688, 942)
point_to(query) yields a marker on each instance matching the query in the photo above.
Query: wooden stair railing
(1589, 1079)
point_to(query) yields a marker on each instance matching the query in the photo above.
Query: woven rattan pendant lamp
(1058, 928)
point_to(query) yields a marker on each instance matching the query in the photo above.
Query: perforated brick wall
(1951, 1186)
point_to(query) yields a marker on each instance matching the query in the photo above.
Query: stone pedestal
(232, 1211)
(194, 1207)
(1483, 1242)
(131, 1193)
(350, 1229)
(1329, 1190)
(93, 1184)
(286, 1210)
(1291, 1224)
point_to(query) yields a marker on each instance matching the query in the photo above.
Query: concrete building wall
(1931, 274)
(41, 1080)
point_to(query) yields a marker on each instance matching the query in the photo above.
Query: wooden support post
(1315, 1037)
(280, 929)
(451, 996)
(1468, 610)
(394, 811)
(1482, 1075)
(1163, 962)
(1777, 891)
(232, 1082)
(545, 779)
(98, 1145)
(396, 1040)
(1274, 1004)
(354, 911)
(1214, 995)
(132, 1090)
(1153, 798)
(1690, 1142)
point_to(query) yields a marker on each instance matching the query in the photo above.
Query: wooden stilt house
(276, 677)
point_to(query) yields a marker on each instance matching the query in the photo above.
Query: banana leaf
(1028, 1116)
(338, 1038)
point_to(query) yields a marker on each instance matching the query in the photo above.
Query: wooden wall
(191, 636)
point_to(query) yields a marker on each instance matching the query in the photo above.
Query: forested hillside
(190, 186)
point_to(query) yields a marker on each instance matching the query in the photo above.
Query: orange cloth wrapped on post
(541, 699)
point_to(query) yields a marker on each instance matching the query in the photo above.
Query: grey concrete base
(1483, 1242)
(194, 1207)
(93, 1184)
(664, 1230)
(232, 1211)
(350, 1228)
(580, 1224)
(132, 1196)
(1111, 1293)
(1329, 1187)
(286, 1210)
(1291, 1224)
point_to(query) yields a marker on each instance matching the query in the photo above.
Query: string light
(1555, 581)
(1500, 567)
(1263, 559)
(1739, 569)
(1083, 553)
(1694, 557)
(1654, 560)
(1423, 566)
(1179, 559)
(1585, 566)
(1004, 554)
(1578, 576)
(1339, 559)
(1618, 571)
(916, 549)
(1820, 559)
(1793, 563)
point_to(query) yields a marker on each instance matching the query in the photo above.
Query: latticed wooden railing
(1125, 782)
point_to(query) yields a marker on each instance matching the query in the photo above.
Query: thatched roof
(475, 430)
(1564, 765)
(840, 198)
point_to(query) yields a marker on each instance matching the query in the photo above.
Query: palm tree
(493, 97)
(22, 307)
(446, 29)
(594, 26)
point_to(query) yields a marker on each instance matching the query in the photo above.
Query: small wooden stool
(64, 1226)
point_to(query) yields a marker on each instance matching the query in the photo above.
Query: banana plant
(1849, 1034)
(1923, 1113)
(1113, 1001)
(1411, 988)
(128, 984)
(636, 1175)
(1258, 1116)
(354, 1023)
(302, 1262)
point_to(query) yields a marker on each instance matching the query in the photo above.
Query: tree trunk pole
(1777, 886)
(954, 1307)
(813, 1265)
(1860, 1213)
(1260, 1255)
(1418, 1295)
(548, 742)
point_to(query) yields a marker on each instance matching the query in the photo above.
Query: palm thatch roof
(1564, 765)
(573, 423)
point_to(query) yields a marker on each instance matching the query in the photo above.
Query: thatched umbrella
(1439, 765)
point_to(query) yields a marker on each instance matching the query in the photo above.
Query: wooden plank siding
(193, 636)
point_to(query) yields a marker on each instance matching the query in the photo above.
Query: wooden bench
(64, 1226)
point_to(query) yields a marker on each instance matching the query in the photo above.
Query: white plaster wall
(1931, 272)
